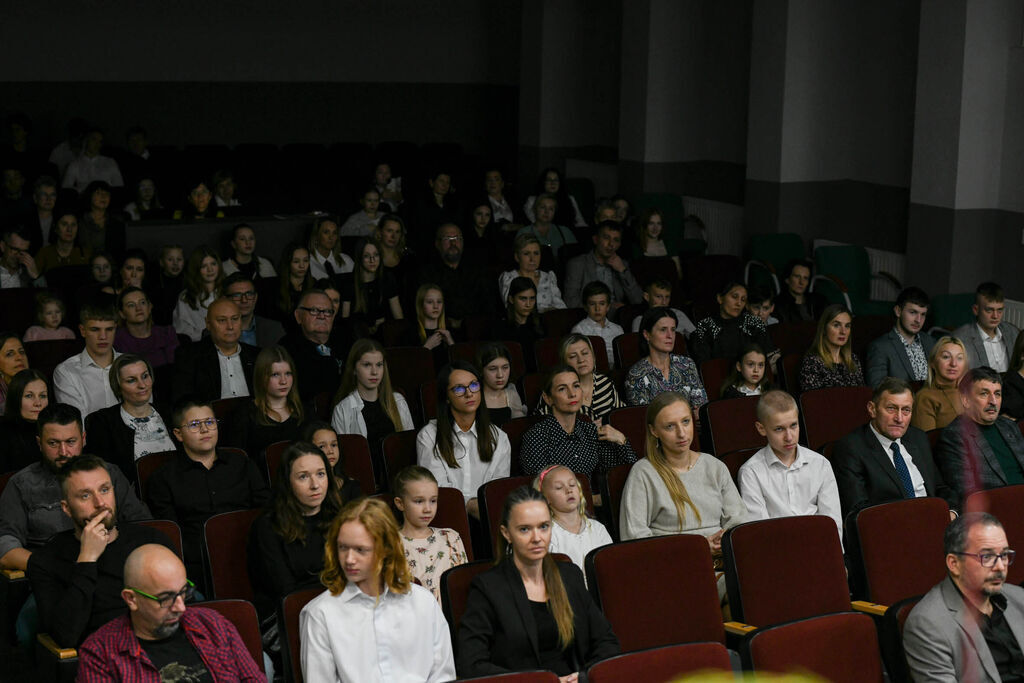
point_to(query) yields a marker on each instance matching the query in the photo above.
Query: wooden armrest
(12, 574)
(869, 607)
(738, 628)
(60, 652)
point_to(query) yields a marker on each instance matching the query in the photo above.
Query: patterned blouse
(604, 400)
(644, 381)
(432, 556)
(814, 374)
(546, 443)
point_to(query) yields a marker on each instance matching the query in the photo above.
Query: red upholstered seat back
(662, 664)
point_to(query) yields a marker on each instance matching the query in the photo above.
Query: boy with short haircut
(761, 303)
(785, 479)
(597, 300)
(659, 293)
(82, 380)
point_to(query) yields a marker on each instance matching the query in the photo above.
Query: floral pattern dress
(432, 556)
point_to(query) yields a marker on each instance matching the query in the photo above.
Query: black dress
(246, 430)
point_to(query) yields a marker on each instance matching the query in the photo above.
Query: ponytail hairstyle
(421, 295)
(391, 569)
(385, 394)
(444, 444)
(558, 598)
(675, 486)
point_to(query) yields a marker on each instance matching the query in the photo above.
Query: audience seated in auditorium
(325, 256)
(568, 213)
(724, 334)
(30, 511)
(938, 401)
(598, 395)
(561, 438)
(316, 363)
(369, 295)
(460, 279)
(500, 394)
(156, 343)
(145, 202)
(13, 360)
(49, 316)
(431, 330)
(256, 330)
(168, 284)
(132, 273)
(98, 228)
(761, 302)
(388, 187)
(526, 250)
(573, 533)
(531, 611)
(39, 220)
(887, 459)
(201, 481)
(82, 380)
(395, 256)
(62, 249)
(368, 579)
(78, 575)
(903, 351)
(521, 323)
(323, 436)
(604, 264)
(1013, 382)
(218, 365)
(244, 258)
(294, 280)
(658, 293)
(434, 209)
(224, 188)
(132, 428)
(90, 166)
(749, 376)
(988, 340)
(650, 238)
(980, 449)
(202, 286)
(785, 479)
(544, 229)
(17, 266)
(795, 302)
(163, 631)
(506, 211)
(363, 222)
(461, 447)
(430, 551)
(198, 204)
(27, 395)
(661, 370)
(969, 626)
(597, 303)
(830, 361)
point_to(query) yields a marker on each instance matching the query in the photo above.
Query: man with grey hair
(971, 625)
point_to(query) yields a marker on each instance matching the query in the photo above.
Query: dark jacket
(197, 370)
(114, 441)
(498, 633)
(966, 459)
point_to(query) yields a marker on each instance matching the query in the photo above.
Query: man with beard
(30, 509)
(461, 282)
(78, 575)
(969, 627)
(161, 638)
(903, 351)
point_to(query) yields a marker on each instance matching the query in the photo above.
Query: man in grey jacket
(903, 351)
(605, 265)
(988, 340)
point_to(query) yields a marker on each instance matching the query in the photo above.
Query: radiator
(889, 261)
(724, 224)
(1014, 313)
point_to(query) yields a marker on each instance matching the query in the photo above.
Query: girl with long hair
(294, 280)
(750, 374)
(500, 393)
(13, 360)
(28, 393)
(830, 362)
(531, 611)
(522, 322)
(371, 294)
(431, 330)
(323, 436)
(244, 258)
(203, 276)
(275, 412)
(461, 447)
(938, 401)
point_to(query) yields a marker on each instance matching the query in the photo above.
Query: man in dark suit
(903, 351)
(218, 365)
(980, 449)
(865, 461)
(317, 365)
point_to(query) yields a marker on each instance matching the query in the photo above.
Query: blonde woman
(938, 402)
(325, 256)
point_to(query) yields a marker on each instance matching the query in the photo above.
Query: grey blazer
(887, 357)
(584, 269)
(966, 460)
(942, 641)
(971, 338)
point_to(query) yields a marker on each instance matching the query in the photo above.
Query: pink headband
(544, 473)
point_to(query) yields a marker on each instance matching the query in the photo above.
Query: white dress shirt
(348, 414)
(995, 350)
(609, 332)
(807, 487)
(915, 474)
(232, 376)
(472, 472)
(592, 535)
(84, 170)
(191, 321)
(317, 270)
(354, 638)
(81, 382)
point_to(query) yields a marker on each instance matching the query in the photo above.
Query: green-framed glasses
(165, 600)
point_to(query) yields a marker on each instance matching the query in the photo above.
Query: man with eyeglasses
(218, 365)
(17, 266)
(460, 280)
(78, 575)
(256, 330)
(200, 481)
(317, 361)
(162, 637)
(970, 626)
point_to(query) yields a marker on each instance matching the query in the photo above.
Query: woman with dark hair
(244, 258)
(434, 208)
(370, 294)
(286, 543)
(481, 238)
(28, 393)
(198, 204)
(395, 257)
(294, 279)
(521, 323)
(275, 412)
(723, 335)
(598, 395)
(461, 447)
(505, 216)
(562, 439)
(363, 222)
(62, 250)
(531, 611)
(224, 188)
(138, 334)
(550, 182)
(146, 202)
(98, 229)
(500, 394)
(132, 272)
(326, 259)
(13, 360)
(203, 276)
(830, 362)
(662, 370)
(323, 436)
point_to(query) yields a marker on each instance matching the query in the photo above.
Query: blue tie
(901, 471)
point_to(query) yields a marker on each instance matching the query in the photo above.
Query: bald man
(218, 365)
(161, 638)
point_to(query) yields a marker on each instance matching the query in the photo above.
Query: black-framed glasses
(165, 600)
(240, 296)
(317, 312)
(196, 425)
(988, 560)
(461, 389)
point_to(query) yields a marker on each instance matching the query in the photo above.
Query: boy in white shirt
(784, 479)
(597, 299)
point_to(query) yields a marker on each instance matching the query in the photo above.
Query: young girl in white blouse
(430, 551)
(203, 276)
(573, 532)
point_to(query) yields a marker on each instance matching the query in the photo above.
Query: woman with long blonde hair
(938, 401)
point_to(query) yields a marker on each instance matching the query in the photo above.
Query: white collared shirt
(807, 487)
(472, 472)
(592, 535)
(915, 474)
(81, 382)
(995, 351)
(318, 270)
(9, 280)
(354, 638)
(609, 332)
(232, 377)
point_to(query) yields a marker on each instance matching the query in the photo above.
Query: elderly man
(981, 449)
(161, 637)
(219, 365)
(256, 330)
(317, 363)
(459, 280)
(988, 340)
(970, 626)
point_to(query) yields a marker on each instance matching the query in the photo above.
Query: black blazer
(866, 477)
(110, 438)
(498, 634)
(197, 370)
(967, 460)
